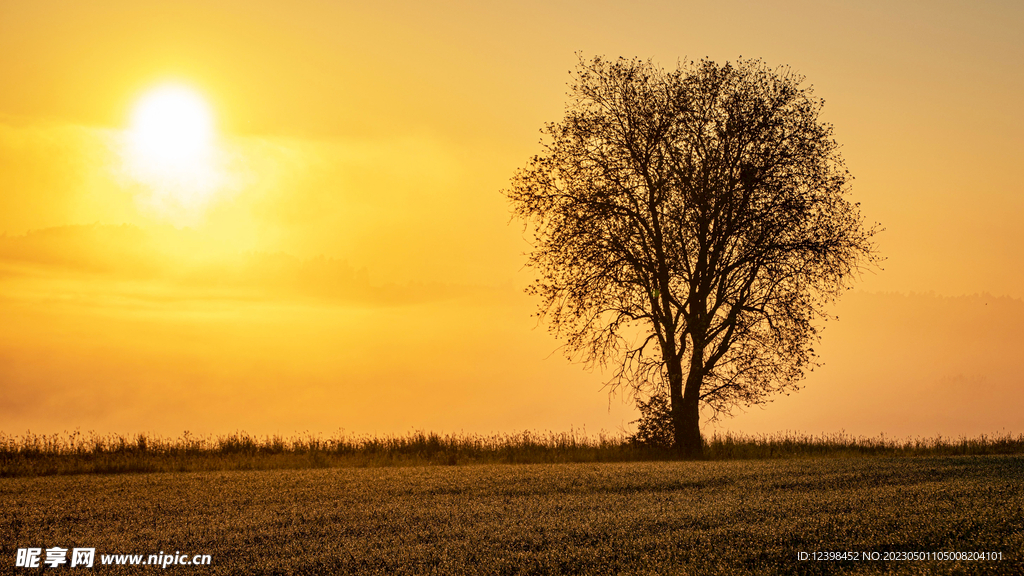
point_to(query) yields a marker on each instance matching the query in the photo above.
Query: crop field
(710, 517)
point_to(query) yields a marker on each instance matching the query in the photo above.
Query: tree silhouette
(689, 227)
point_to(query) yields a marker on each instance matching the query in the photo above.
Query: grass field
(711, 517)
(75, 453)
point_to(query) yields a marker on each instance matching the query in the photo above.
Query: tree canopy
(689, 228)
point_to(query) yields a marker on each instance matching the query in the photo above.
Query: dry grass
(75, 453)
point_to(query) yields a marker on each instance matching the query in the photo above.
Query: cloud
(169, 262)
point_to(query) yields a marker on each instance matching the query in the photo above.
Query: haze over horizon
(340, 255)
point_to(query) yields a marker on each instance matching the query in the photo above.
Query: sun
(171, 150)
(172, 126)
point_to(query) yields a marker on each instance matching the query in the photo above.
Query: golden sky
(341, 255)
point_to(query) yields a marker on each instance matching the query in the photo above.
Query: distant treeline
(75, 453)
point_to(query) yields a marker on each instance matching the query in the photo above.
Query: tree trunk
(688, 440)
(686, 407)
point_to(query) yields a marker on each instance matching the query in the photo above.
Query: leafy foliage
(654, 427)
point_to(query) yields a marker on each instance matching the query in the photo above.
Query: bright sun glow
(171, 149)
(172, 126)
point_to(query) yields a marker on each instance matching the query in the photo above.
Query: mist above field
(467, 359)
(350, 263)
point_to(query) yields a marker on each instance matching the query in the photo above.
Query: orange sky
(351, 262)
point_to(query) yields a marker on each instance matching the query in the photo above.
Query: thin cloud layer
(167, 259)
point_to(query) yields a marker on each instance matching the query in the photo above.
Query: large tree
(689, 229)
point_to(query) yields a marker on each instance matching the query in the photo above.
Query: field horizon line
(75, 453)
